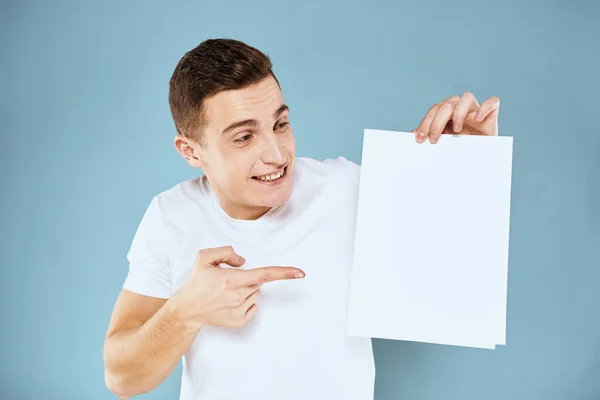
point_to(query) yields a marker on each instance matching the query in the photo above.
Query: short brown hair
(213, 66)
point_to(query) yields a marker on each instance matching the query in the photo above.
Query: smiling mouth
(272, 177)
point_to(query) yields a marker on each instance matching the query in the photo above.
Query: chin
(277, 199)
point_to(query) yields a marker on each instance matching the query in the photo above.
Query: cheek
(238, 166)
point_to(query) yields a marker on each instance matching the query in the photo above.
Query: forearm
(138, 359)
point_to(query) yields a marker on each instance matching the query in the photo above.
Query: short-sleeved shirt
(296, 347)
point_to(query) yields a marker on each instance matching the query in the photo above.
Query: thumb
(220, 255)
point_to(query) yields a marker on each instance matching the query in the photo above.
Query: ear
(190, 150)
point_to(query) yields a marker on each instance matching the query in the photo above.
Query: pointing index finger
(270, 274)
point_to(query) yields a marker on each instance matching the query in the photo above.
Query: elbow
(125, 386)
(126, 381)
(117, 386)
(116, 381)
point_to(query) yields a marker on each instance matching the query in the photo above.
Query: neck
(244, 213)
(239, 211)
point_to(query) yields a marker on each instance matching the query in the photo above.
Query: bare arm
(146, 338)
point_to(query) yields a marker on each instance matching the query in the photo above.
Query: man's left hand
(460, 116)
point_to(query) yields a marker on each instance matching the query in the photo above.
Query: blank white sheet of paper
(432, 236)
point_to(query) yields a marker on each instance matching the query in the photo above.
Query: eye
(243, 139)
(282, 125)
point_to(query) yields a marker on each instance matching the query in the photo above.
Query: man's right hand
(225, 297)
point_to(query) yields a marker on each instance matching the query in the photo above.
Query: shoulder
(180, 199)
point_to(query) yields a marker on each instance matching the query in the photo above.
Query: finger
(424, 126)
(244, 291)
(270, 274)
(217, 255)
(241, 317)
(487, 107)
(251, 313)
(251, 288)
(250, 300)
(440, 121)
(452, 98)
(467, 103)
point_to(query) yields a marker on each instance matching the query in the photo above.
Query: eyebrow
(253, 122)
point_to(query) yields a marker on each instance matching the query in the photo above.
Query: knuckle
(250, 313)
(435, 126)
(448, 106)
(238, 314)
(458, 112)
(433, 109)
(227, 282)
(237, 300)
(244, 313)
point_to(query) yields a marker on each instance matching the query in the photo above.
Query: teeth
(272, 177)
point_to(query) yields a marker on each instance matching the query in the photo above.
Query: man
(244, 271)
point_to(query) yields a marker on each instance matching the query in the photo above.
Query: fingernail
(479, 117)
(421, 136)
(299, 275)
(457, 127)
(433, 139)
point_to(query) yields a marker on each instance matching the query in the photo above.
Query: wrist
(178, 311)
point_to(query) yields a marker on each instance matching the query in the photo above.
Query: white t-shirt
(296, 347)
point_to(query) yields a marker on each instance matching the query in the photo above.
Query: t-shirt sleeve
(149, 271)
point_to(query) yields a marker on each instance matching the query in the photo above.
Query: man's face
(249, 148)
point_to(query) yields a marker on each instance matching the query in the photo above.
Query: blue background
(86, 141)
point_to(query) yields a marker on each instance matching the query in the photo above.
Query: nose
(273, 150)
